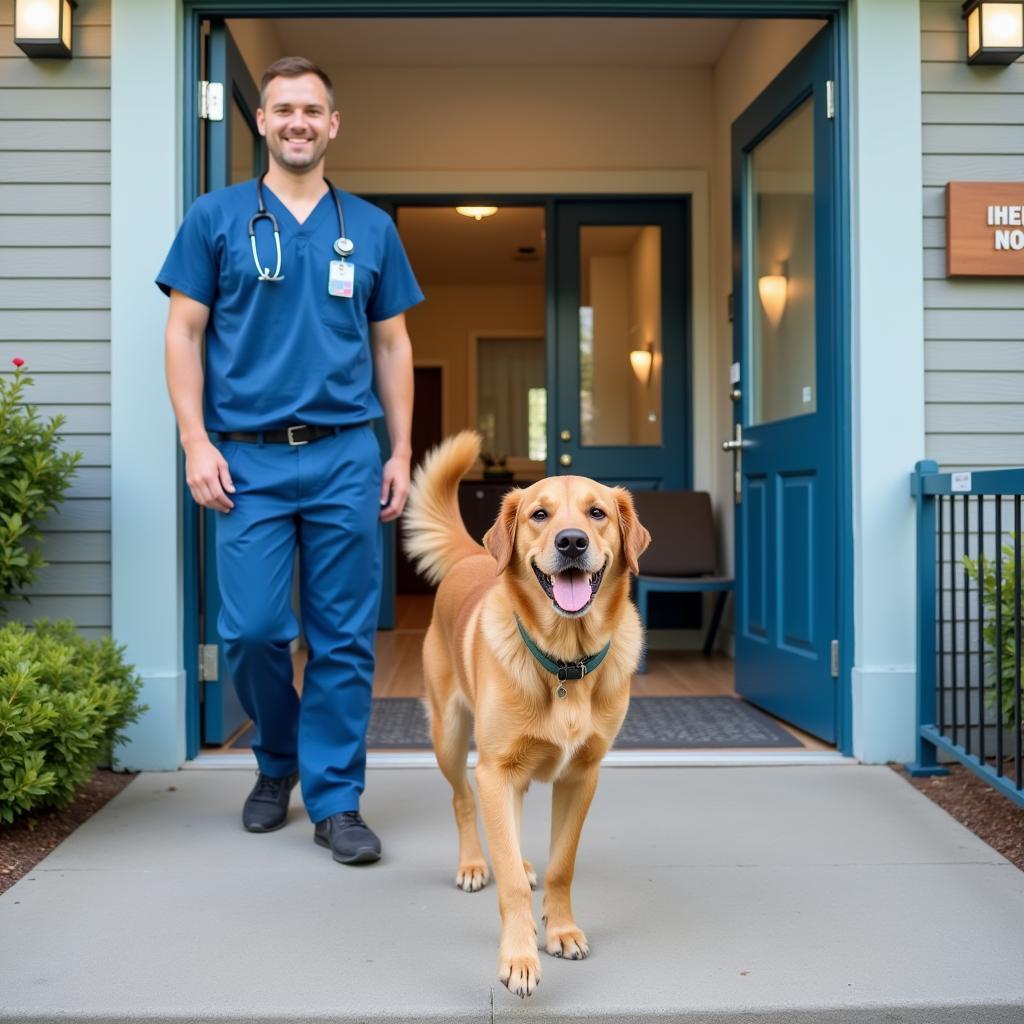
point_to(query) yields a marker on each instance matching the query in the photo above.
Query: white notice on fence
(960, 482)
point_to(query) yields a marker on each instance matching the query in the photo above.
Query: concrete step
(767, 895)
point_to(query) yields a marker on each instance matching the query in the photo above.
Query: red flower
(18, 361)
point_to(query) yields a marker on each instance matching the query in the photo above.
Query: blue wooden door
(234, 153)
(620, 408)
(783, 383)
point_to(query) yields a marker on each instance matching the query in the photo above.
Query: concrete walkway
(784, 895)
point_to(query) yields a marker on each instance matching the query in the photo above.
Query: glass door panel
(620, 335)
(781, 238)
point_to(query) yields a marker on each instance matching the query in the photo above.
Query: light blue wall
(888, 368)
(145, 210)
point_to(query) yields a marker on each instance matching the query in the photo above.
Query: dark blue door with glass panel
(234, 152)
(620, 411)
(784, 387)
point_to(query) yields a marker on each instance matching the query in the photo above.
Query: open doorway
(480, 115)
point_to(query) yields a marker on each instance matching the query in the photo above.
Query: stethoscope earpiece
(343, 246)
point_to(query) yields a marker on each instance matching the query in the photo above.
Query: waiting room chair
(682, 557)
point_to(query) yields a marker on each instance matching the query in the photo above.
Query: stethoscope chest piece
(344, 246)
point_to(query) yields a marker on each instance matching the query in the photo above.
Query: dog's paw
(531, 875)
(472, 876)
(519, 974)
(567, 943)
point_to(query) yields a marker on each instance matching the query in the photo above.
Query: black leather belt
(301, 433)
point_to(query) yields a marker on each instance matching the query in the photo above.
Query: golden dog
(553, 571)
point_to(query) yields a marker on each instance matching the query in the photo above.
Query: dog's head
(564, 535)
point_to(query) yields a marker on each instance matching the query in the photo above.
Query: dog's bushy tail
(434, 535)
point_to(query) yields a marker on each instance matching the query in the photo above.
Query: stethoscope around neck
(343, 246)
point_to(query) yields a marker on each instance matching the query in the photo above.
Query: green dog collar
(563, 670)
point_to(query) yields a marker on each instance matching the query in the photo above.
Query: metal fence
(969, 623)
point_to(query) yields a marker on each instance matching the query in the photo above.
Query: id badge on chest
(341, 281)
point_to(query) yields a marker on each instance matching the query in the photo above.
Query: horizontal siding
(977, 387)
(972, 130)
(974, 355)
(77, 546)
(69, 200)
(66, 262)
(93, 611)
(56, 104)
(63, 135)
(31, 230)
(54, 169)
(970, 418)
(55, 290)
(70, 294)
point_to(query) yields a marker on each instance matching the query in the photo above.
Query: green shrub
(1006, 639)
(34, 474)
(63, 702)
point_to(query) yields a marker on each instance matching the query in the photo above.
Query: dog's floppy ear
(635, 537)
(500, 539)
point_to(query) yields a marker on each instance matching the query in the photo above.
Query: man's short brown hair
(294, 67)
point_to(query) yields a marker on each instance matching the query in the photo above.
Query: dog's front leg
(570, 801)
(518, 962)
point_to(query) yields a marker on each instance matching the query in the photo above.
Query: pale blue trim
(884, 715)
(888, 366)
(146, 564)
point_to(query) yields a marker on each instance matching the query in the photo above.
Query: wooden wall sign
(984, 229)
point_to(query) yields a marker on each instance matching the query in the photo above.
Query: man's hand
(394, 487)
(207, 476)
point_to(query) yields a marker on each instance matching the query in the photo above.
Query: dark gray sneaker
(349, 838)
(266, 807)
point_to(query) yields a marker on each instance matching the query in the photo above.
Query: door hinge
(208, 663)
(830, 99)
(835, 659)
(211, 101)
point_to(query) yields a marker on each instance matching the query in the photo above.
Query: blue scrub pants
(325, 497)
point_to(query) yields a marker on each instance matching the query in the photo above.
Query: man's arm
(206, 471)
(392, 359)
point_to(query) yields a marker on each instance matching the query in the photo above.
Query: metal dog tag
(562, 692)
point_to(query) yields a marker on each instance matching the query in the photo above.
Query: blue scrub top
(284, 352)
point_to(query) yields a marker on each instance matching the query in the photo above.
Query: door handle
(565, 435)
(565, 460)
(735, 445)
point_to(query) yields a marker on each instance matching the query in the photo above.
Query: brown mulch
(25, 843)
(977, 806)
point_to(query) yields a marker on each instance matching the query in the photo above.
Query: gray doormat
(663, 722)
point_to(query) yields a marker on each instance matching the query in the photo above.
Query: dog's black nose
(572, 542)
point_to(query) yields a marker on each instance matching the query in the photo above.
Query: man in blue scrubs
(278, 439)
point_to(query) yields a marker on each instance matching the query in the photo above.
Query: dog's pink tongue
(572, 589)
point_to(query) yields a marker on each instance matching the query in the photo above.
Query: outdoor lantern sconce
(995, 31)
(642, 361)
(42, 28)
(772, 288)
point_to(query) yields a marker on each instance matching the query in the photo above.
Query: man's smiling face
(297, 121)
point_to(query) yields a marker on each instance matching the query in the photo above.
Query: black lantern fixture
(42, 28)
(995, 31)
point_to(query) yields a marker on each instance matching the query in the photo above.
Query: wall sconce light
(477, 212)
(642, 361)
(42, 28)
(772, 288)
(995, 31)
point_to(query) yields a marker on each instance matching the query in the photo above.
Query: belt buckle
(291, 437)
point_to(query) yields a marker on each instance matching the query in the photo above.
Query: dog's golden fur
(482, 681)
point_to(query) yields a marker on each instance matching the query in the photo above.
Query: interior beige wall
(757, 52)
(440, 328)
(508, 118)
